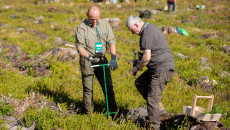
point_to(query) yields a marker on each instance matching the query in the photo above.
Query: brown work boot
(162, 110)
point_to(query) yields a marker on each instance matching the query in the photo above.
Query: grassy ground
(64, 86)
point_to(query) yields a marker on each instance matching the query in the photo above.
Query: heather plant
(5, 109)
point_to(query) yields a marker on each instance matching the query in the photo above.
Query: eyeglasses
(130, 29)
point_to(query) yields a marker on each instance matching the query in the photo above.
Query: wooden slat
(204, 96)
(192, 113)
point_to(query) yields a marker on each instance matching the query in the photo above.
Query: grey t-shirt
(152, 38)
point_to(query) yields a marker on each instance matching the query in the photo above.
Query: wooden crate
(199, 112)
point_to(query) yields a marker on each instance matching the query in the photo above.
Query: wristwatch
(138, 68)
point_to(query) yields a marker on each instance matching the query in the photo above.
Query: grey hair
(131, 20)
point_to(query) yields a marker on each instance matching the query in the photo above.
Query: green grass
(223, 108)
(64, 86)
(5, 109)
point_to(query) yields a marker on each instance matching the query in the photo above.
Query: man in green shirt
(94, 37)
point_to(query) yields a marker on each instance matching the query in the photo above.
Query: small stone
(225, 48)
(126, 1)
(7, 7)
(228, 39)
(40, 18)
(204, 60)
(58, 40)
(214, 82)
(154, 11)
(71, 3)
(204, 79)
(4, 25)
(38, 21)
(69, 45)
(57, 1)
(180, 55)
(206, 67)
(224, 74)
(193, 128)
(119, 6)
(188, 86)
(13, 16)
(113, 21)
(20, 30)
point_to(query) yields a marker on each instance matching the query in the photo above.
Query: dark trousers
(87, 81)
(171, 4)
(151, 87)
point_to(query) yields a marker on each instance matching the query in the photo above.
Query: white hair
(131, 20)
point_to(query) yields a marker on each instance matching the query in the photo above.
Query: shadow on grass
(62, 97)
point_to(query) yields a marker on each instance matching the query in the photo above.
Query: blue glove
(113, 63)
(178, 31)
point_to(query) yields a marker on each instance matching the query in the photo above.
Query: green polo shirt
(86, 36)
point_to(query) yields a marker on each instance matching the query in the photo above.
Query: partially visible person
(136, 1)
(171, 5)
(113, 1)
(158, 59)
(94, 37)
(46, 1)
(126, 1)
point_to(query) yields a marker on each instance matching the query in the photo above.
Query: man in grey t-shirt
(158, 59)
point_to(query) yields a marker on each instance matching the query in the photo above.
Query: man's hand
(93, 60)
(113, 63)
(135, 70)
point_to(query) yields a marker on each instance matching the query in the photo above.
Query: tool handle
(100, 65)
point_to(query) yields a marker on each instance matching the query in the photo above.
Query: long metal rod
(106, 97)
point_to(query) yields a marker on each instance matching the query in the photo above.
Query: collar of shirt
(90, 25)
(143, 28)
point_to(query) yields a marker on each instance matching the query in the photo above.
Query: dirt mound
(65, 54)
(207, 87)
(169, 121)
(212, 35)
(186, 122)
(12, 57)
(35, 101)
(14, 124)
(38, 34)
(13, 53)
(19, 60)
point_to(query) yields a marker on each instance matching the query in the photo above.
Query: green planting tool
(106, 97)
